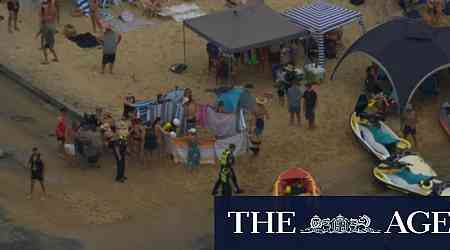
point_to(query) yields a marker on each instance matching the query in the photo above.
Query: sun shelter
(321, 17)
(407, 50)
(243, 28)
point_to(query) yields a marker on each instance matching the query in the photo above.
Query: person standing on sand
(410, 123)
(47, 34)
(294, 98)
(50, 13)
(227, 161)
(119, 146)
(36, 166)
(260, 115)
(310, 104)
(94, 15)
(190, 108)
(60, 130)
(13, 10)
(110, 41)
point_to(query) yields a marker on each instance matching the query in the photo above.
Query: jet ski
(361, 128)
(411, 174)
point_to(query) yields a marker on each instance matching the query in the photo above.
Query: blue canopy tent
(321, 17)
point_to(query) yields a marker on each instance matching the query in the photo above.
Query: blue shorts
(259, 126)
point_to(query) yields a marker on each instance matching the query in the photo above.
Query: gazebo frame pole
(230, 65)
(184, 44)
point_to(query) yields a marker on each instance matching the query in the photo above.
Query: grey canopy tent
(407, 50)
(243, 28)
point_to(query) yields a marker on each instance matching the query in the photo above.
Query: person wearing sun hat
(260, 115)
(110, 42)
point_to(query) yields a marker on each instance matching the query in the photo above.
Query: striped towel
(83, 5)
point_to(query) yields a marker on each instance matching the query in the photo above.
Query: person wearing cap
(410, 123)
(260, 114)
(227, 172)
(110, 42)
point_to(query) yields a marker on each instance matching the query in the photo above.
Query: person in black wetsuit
(36, 166)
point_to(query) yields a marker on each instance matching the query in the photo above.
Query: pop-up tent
(244, 28)
(408, 51)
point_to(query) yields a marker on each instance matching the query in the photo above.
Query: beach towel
(222, 125)
(182, 12)
(86, 40)
(126, 22)
(240, 140)
(202, 115)
(83, 5)
(230, 99)
(179, 148)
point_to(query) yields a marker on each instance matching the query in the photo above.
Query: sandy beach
(88, 199)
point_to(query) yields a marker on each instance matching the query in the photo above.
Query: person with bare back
(190, 109)
(94, 15)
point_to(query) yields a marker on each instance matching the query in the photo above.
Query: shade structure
(321, 17)
(243, 28)
(408, 51)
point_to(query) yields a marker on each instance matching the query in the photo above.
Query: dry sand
(331, 153)
(147, 53)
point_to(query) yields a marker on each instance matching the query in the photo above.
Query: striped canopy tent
(321, 17)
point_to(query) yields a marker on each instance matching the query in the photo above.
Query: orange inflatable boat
(295, 177)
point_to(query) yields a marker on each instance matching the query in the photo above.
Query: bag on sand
(356, 2)
(69, 149)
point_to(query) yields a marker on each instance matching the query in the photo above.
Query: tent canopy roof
(321, 17)
(244, 28)
(407, 50)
